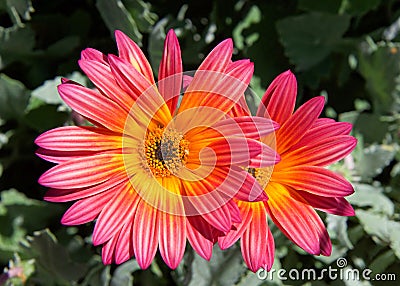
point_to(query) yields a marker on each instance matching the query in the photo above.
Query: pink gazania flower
(299, 183)
(150, 171)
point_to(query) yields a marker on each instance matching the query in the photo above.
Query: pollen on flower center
(262, 175)
(165, 151)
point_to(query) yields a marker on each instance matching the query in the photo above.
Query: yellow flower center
(262, 175)
(166, 151)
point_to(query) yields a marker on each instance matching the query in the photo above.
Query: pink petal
(297, 125)
(93, 55)
(200, 236)
(239, 151)
(322, 152)
(323, 131)
(172, 238)
(251, 127)
(170, 71)
(65, 195)
(145, 234)
(131, 52)
(104, 80)
(108, 250)
(124, 247)
(83, 172)
(148, 102)
(94, 106)
(254, 239)
(233, 235)
(294, 218)
(238, 183)
(117, 212)
(315, 180)
(79, 138)
(219, 58)
(63, 156)
(280, 98)
(211, 205)
(220, 91)
(332, 205)
(87, 209)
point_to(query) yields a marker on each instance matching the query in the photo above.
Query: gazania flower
(153, 173)
(299, 183)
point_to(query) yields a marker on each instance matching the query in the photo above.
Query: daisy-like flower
(153, 171)
(299, 183)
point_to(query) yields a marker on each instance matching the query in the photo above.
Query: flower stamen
(166, 151)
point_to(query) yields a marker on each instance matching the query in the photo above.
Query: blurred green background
(348, 51)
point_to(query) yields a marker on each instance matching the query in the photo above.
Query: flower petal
(297, 125)
(124, 247)
(81, 172)
(148, 102)
(131, 52)
(320, 132)
(254, 239)
(219, 58)
(172, 238)
(239, 151)
(217, 90)
(145, 234)
(108, 250)
(200, 236)
(280, 98)
(93, 55)
(315, 180)
(294, 218)
(251, 127)
(233, 235)
(102, 77)
(320, 153)
(94, 106)
(87, 209)
(170, 71)
(79, 138)
(63, 156)
(65, 195)
(332, 205)
(115, 214)
(202, 199)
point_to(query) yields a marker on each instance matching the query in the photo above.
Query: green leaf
(224, 268)
(98, 275)
(15, 44)
(382, 262)
(379, 65)
(141, 13)
(252, 17)
(371, 127)
(358, 7)
(373, 197)
(48, 93)
(123, 274)
(373, 159)
(117, 17)
(19, 8)
(309, 38)
(382, 230)
(14, 98)
(53, 262)
(331, 6)
(45, 117)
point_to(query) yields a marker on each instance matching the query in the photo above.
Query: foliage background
(347, 50)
